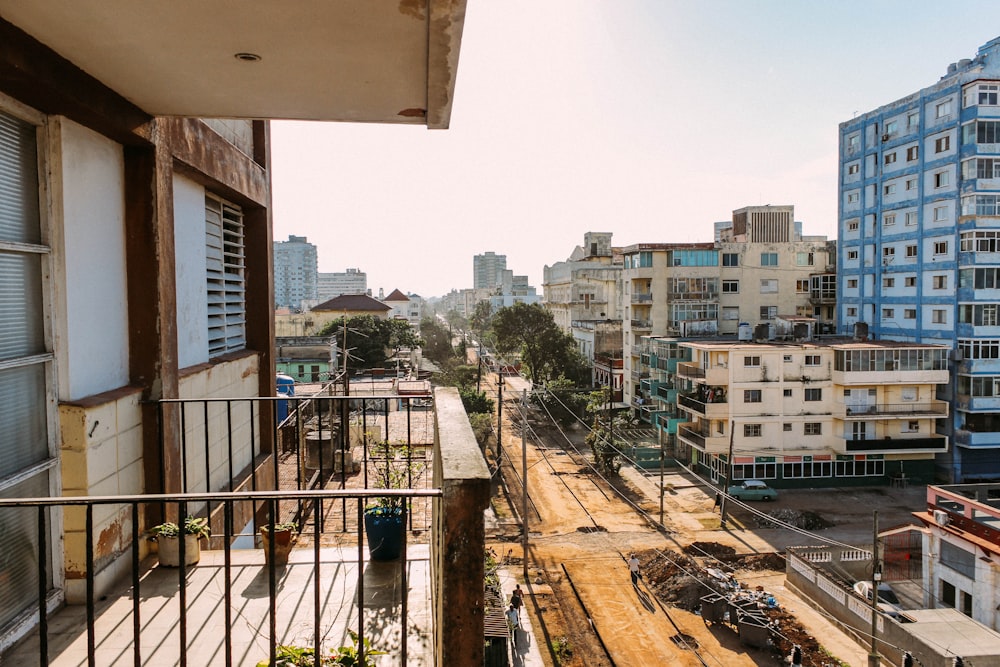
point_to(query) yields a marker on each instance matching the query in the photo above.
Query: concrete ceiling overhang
(384, 61)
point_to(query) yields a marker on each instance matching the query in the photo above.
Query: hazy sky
(649, 119)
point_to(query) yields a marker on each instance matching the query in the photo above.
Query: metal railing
(897, 409)
(146, 635)
(696, 405)
(690, 370)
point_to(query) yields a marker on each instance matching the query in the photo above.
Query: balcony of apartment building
(702, 437)
(891, 365)
(977, 430)
(316, 467)
(641, 297)
(896, 444)
(714, 375)
(711, 404)
(933, 409)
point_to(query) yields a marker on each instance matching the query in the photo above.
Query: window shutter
(226, 277)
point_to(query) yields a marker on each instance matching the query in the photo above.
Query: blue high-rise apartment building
(919, 254)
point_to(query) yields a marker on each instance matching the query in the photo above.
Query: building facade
(760, 269)
(805, 413)
(296, 272)
(351, 281)
(919, 187)
(487, 269)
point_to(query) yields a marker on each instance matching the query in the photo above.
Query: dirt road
(581, 531)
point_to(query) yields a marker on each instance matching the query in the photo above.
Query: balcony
(643, 325)
(702, 438)
(233, 608)
(713, 410)
(931, 410)
(977, 439)
(642, 297)
(690, 370)
(934, 443)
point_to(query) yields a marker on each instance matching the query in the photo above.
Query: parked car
(752, 489)
(887, 601)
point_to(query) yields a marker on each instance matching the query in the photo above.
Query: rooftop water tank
(744, 331)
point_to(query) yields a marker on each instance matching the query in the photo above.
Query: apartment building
(486, 270)
(919, 256)
(296, 272)
(351, 281)
(407, 307)
(804, 413)
(759, 269)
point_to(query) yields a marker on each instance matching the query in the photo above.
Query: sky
(650, 119)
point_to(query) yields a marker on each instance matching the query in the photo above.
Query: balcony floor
(206, 626)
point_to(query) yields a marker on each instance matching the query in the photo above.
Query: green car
(752, 489)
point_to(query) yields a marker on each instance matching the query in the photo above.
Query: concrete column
(459, 535)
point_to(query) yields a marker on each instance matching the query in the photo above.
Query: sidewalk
(526, 652)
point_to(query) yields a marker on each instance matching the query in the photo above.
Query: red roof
(353, 302)
(396, 296)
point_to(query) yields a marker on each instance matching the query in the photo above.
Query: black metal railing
(690, 370)
(897, 409)
(148, 635)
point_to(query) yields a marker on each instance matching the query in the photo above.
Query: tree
(475, 401)
(544, 348)
(481, 317)
(563, 401)
(437, 341)
(607, 454)
(371, 340)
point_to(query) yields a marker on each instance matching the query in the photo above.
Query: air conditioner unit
(885, 137)
(941, 518)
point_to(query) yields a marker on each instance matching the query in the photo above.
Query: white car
(888, 603)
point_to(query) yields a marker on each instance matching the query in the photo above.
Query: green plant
(394, 468)
(562, 649)
(344, 656)
(192, 526)
(278, 527)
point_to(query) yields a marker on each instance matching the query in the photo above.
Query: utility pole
(524, 480)
(662, 460)
(479, 366)
(729, 475)
(500, 420)
(874, 659)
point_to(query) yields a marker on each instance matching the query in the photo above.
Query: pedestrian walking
(633, 568)
(513, 622)
(718, 501)
(517, 599)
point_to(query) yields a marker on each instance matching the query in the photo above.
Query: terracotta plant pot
(168, 550)
(282, 544)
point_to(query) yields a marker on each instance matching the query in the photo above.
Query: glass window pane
(20, 305)
(19, 550)
(22, 418)
(19, 221)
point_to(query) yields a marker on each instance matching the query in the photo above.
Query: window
(751, 362)
(889, 219)
(912, 153)
(939, 282)
(888, 251)
(981, 205)
(852, 283)
(730, 286)
(891, 127)
(940, 213)
(911, 184)
(889, 189)
(942, 109)
(912, 119)
(787, 393)
(985, 168)
(769, 286)
(852, 311)
(910, 281)
(225, 274)
(940, 179)
(853, 142)
(730, 259)
(812, 428)
(852, 254)
(786, 358)
(768, 259)
(889, 158)
(751, 430)
(911, 250)
(751, 396)
(888, 283)
(852, 197)
(813, 394)
(805, 259)
(939, 316)
(909, 313)
(981, 132)
(988, 94)
(853, 168)
(980, 241)
(940, 247)
(812, 360)
(942, 144)
(910, 218)
(888, 313)
(787, 428)
(802, 286)
(911, 426)
(731, 313)
(852, 225)
(768, 312)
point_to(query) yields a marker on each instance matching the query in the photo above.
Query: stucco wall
(192, 290)
(88, 223)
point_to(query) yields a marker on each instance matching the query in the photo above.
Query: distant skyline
(651, 120)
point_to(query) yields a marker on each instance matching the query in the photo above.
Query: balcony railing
(642, 324)
(693, 434)
(642, 297)
(937, 443)
(701, 407)
(932, 409)
(164, 616)
(690, 371)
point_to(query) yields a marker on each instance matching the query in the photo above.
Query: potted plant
(394, 468)
(168, 546)
(284, 536)
(344, 656)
